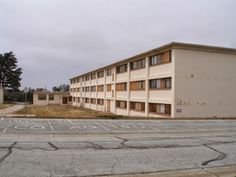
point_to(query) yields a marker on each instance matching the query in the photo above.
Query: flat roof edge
(172, 45)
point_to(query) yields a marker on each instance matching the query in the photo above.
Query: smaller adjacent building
(1, 95)
(50, 98)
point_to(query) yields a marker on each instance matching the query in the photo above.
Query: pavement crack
(221, 156)
(94, 145)
(9, 151)
(53, 146)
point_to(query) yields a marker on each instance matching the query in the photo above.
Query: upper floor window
(160, 58)
(86, 89)
(100, 88)
(93, 88)
(137, 64)
(108, 72)
(164, 83)
(93, 76)
(100, 74)
(108, 87)
(121, 86)
(137, 85)
(87, 78)
(121, 68)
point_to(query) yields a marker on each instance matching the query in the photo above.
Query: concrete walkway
(10, 110)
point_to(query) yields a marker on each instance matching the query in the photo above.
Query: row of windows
(157, 59)
(163, 83)
(44, 97)
(155, 108)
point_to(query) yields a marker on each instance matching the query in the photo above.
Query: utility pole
(25, 92)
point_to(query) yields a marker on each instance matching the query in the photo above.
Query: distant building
(1, 95)
(49, 98)
(174, 80)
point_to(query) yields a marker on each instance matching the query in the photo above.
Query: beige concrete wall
(1, 95)
(205, 84)
(57, 100)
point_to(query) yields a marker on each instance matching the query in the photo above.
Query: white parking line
(50, 124)
(70, 121)
(107, 129)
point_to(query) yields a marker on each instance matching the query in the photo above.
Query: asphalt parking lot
(64, 147)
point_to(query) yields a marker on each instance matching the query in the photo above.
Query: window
(160, 108)
(100, 74)
(160, 58)
(87, 78)
(100, 101)
(108, 87)
(121, 104)
(83, 89)
(93, 101)
(100, 88)
(137, 85)
(42, 96)
(78, 99)
(137, 106)
(108, 72)
(121, 86)
(121, 69)
(164, 83)
(93, 76)
(70, 98)
(93, 88)
(51, 97)
(78, 89)
(86, 100)
(86, 89)
(137, 64)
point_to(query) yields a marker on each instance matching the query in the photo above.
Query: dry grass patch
(4, 106)
(61, 111)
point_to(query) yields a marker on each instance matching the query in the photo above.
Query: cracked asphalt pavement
(57, 147)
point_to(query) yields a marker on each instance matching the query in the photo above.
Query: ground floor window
(42, 97)
(51, 97)
(86, 100)
(137, 106)
(93, 101)
(160, 108)
(100, 101)
(121, 104)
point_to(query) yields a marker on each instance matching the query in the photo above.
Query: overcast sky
(55, 40)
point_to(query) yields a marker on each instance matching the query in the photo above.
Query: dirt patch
(61, 111)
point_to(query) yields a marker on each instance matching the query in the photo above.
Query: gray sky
(55, 40)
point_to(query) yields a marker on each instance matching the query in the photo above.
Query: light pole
(25, 92)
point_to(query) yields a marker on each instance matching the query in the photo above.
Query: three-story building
(174, 80)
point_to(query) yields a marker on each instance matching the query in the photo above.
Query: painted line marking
(70, 121)
(107, 129)
(50, 124)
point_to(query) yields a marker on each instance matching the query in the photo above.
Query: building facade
(175, 80)
(1, 95)
(50, 98)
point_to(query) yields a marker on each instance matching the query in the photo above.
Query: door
(64, 100)
(108, 106)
